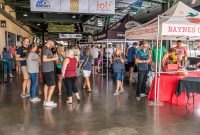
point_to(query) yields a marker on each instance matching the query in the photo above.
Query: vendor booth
(178, 23)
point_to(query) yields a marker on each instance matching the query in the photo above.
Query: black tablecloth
(188, 84)
(194, 60)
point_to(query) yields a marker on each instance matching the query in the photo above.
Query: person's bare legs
(50, 93)
(121, 86)
(28, 85)
(24, 85)
(46, 89)
(131, 74)
(84, 83)
(96, 69)
(88, 83)
(118, 86)
(59, 85)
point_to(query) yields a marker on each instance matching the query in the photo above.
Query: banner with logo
(69, 36)
(102, 6)
(61, 28)
(74, 6)
(45, 5)
(180, 30)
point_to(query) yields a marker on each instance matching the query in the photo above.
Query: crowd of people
(64, 65)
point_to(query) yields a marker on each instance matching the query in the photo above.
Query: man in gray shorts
(48, 73)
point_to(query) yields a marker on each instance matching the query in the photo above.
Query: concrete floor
(99, 113)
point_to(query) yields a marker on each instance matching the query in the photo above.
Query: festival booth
(178, 23)
(116, 33)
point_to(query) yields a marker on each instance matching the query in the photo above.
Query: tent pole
(102, 57)
(125, 47)
(159, 69)
(156, 70)
(107, 57)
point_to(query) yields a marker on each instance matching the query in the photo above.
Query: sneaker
(138, 98)
(50, 104)
(121, 91)
(116, 93)
(23, 95)
(143, 95)
(11, 76)
(27, 95)
(36, 99)
(45, 102)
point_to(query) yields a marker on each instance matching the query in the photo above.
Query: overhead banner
(102, 6)
(45, 5)
(69, 36)
(61, 28)
(74, 6)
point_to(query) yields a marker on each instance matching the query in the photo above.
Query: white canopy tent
(180, 22)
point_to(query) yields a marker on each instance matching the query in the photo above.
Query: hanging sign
(74, 6)
(61, 28)
(70, 36)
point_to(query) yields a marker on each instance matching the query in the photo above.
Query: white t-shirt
(109, 52)
(95, 52)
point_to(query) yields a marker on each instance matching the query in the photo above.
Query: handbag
(79, 71)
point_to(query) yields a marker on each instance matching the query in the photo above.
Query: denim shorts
(118, 76)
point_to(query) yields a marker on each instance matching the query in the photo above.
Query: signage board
(61, 28)
(70, 36)
(74, 6)
(45, 5)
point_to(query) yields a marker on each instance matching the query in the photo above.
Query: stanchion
(2, 72)
(102, 61)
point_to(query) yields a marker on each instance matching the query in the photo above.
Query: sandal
(88, 90)
(79, 100)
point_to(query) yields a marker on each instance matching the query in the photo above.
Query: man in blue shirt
(143, 60)
(21, 56)
(131, 60)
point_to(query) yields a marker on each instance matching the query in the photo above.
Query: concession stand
(180, 22)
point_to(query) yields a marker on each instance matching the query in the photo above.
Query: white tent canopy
(180, 22)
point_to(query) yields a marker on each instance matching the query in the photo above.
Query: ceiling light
(25, 14)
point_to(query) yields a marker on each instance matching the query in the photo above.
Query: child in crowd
(33, 70)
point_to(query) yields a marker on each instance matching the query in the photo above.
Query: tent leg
(107, 57)
(156, 103)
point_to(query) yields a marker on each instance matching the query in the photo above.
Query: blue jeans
(34, 83)
(8, 67)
